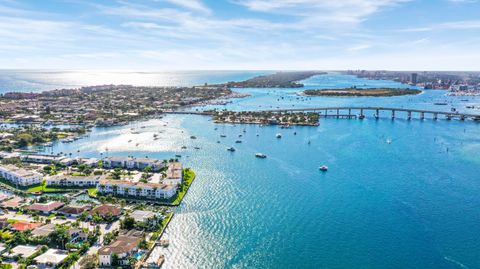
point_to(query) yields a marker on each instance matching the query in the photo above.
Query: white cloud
(190, 4)
(344, 11)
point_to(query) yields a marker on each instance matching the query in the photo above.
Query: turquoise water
(412, 203)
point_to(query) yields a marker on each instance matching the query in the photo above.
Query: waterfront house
(136, 189)
(72, 210)
(20, 176)
(126, 245)
(63, 180)
(13, 203)
(107, 211)
(46, 208)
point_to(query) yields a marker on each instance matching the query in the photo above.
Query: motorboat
(260, 155)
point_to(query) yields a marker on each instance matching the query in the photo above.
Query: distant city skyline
(240, 34)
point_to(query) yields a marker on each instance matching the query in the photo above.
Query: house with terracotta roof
(23, 226)
(13, 203)
(73, 210)
(46, 208)
(126, 245)
(107, 211)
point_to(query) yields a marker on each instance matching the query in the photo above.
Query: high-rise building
(414, 78)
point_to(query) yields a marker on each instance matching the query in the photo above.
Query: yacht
(323, 168)
(260, 155)
(278, 135)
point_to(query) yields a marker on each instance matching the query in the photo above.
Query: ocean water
(40, 80)
(411, 203)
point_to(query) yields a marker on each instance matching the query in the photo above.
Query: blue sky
(241, 34)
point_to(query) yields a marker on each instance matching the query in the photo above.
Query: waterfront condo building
(136, 189)
(133, 163)
(20, 176)
(73, 181)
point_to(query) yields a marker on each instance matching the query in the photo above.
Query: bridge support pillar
(362, 116)
(338, 113)
(326, 112)
(435, 116)
(393, 114)
(462, 117)
(349, 113)
(422, 115)
(409, 116)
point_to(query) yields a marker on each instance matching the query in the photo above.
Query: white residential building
(20, 176)
(137, 189)
(174, 174)
(73, 181)
(133, 163)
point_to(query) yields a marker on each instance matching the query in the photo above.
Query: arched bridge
(362, 112)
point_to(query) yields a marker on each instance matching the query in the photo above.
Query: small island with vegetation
(357, 92)
(267, 118)
(276, 80)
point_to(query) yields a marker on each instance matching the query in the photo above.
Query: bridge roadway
(336, 112)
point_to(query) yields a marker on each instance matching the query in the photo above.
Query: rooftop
(53, 256)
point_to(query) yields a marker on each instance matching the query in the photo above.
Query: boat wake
(456, 262)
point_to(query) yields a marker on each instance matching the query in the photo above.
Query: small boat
(260, 155)
(238, 141)
(196, 148)
(361, 116)
(231, 149)
(184, 147)
(278, 135)
(223, 135)
(129, 140)
(440, 104)
(135, 132)
(193, 137)
(323, 168)
(218, 141)
(239, 135)
(178, 155)
(294, 133)
(155, 135)
(215, 128)
(137, 144)
(389, 141)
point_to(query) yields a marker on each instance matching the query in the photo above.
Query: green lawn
(92, 192)
(188, 177)
(44, 188)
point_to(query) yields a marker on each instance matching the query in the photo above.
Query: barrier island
(356, 92)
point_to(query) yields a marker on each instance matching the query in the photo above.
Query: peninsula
(266, 117)
(276, 80)
(356, 92)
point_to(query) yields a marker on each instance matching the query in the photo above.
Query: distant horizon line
(224, 70)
